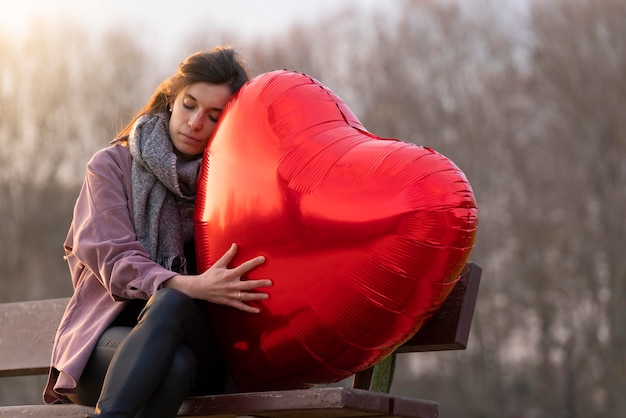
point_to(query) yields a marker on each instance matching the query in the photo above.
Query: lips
(189, 145)
(190, 138)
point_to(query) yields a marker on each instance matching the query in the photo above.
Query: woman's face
(194, 115)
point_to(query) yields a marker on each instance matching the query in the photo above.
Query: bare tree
(58, 104)
(580, 55)
(449, 79)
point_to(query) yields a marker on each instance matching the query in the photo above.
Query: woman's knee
(167, 297)
(168, 306)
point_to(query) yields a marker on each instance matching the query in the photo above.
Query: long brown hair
(221, 65)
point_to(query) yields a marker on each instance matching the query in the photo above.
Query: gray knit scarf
(164, 189)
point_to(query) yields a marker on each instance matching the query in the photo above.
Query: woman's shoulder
(117, 153)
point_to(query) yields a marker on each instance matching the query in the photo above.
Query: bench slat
(27, 332)
(45, 411)
(449, 327)
(309, 403)
(306, 403)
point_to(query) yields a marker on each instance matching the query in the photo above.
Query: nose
(196, 121)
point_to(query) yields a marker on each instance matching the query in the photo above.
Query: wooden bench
(27, 333)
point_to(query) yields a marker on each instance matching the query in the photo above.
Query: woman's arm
(102, 235)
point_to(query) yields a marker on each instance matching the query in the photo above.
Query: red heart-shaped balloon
(364, 237)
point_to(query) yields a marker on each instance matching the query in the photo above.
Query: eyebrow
(219, 109)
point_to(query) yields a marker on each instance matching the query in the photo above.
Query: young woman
(134, 339)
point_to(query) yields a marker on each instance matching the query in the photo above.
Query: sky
(168, 22)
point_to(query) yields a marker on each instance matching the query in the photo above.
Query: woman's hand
(222, 285)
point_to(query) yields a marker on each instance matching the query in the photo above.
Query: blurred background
(527, 97)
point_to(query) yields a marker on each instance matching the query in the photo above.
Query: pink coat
(108, 266)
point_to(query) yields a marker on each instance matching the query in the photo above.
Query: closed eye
(190, 103)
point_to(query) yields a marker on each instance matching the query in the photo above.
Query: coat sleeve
(102, 235)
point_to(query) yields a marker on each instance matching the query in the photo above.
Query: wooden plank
(450, 326)
(308, 403)
(27, 332)
(305, 403)
(45, 411)
(404, 407)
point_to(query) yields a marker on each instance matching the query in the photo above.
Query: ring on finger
(239, 296)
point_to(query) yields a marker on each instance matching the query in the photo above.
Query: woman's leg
(174, 388)
(158, 354)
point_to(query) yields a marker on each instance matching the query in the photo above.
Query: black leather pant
(148, 369)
